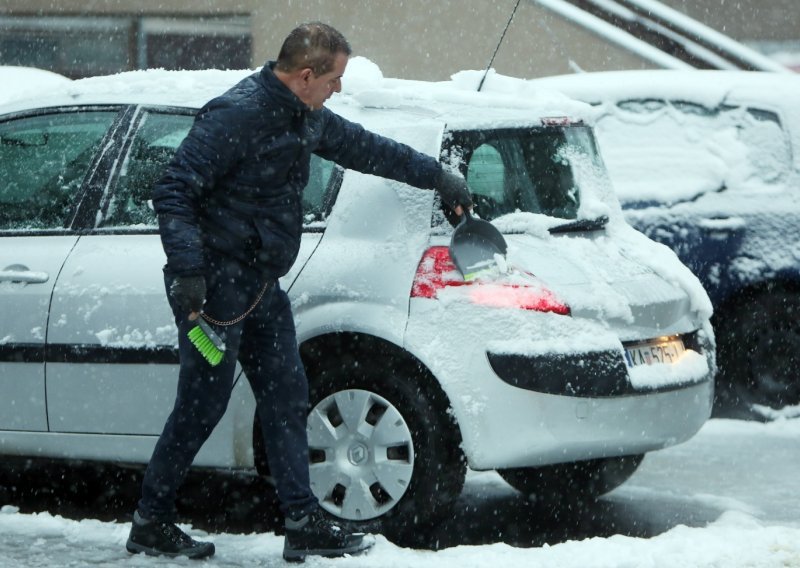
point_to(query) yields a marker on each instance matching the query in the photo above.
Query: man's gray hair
(313, 45)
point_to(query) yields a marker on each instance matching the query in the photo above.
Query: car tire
(394, 464)
(576, 482)
(759, 354)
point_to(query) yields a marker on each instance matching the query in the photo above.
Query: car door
(116, 373)
(45, 159)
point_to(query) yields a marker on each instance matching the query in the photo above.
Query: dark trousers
(265, 345)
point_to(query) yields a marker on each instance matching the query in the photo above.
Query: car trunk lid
(598, 280)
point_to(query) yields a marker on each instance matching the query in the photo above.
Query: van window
(703, 150)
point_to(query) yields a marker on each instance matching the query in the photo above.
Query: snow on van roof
(773, 92)
(708, 87)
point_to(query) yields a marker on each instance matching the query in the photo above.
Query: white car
(586, 348)
(708, 163)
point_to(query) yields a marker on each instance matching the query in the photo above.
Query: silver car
(587, 347)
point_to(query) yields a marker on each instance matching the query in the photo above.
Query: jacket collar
(281, 92)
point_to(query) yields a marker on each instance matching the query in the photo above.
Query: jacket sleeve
(352, 146)
(206, 154)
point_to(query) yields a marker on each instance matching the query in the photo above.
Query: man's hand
(190, 293)
(454, 191)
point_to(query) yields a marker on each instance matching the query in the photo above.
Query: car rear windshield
(529, 170)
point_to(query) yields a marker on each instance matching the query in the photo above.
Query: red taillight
(528, 297)
(437, 271)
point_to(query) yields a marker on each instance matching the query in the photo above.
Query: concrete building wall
(432, 39)
(421, 39)
(745, 20)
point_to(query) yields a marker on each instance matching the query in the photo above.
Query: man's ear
(306, 74)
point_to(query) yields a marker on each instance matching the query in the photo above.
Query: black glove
(189, 292)
(453, 190)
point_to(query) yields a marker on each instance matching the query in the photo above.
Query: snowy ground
(729, 498)
(735, 540)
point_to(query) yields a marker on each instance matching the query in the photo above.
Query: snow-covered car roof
(20, 81)
(156, 86)
(365, 90)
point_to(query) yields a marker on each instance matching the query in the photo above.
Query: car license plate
(654, 352)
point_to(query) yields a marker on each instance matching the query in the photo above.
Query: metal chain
(209, 319)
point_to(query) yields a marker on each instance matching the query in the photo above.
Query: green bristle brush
(207, 342)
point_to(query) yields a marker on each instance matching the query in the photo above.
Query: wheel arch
(353, 348)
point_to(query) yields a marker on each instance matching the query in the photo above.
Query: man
(230, 216)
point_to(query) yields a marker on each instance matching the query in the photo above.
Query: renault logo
(358, 454)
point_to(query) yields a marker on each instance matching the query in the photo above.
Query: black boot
(315, 535)
(155, 538)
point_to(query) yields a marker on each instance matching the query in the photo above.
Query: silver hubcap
(362, 455)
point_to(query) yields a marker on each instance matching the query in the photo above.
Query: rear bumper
(595, 374)
(519, 403)
(529, 429)
(590, 374)
(585, 406)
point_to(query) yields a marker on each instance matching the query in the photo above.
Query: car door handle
(21, 275)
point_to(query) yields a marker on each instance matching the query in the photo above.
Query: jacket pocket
(279, 239)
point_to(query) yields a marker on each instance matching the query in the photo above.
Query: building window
(82, 46)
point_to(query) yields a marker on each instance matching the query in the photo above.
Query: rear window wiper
(580, 225)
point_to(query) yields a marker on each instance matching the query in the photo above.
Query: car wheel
(572, 482)
(384, 456)
(759, 354)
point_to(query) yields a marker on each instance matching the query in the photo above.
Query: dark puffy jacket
(236, 181)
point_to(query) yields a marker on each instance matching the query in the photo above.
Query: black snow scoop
(474, 245)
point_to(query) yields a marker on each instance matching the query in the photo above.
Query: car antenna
(496, 49)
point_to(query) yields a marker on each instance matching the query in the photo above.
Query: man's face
(318, 89)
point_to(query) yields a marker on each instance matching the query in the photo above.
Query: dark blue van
(708, 163)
